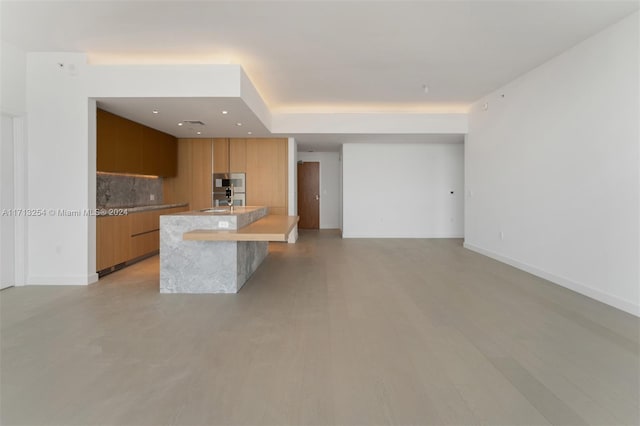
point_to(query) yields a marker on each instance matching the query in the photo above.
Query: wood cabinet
(159, 153)
(112, 241)
(193, 182)
(121, 239)
(145, 221)
(145, 231)
(128, 147)
(265, 162)
(107, 139)
(266, 169)
(238, 155)
(220, 155)
(119, 144)
(124, 146)
(229, 155)
(201, 179)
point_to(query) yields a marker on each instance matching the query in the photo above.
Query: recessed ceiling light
(180, 124)
(238, 124)
(199, 133)
(155, 111)
(249, 133)
(225, 112)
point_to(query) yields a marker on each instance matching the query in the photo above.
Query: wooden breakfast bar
(216, 250)
(268, 228)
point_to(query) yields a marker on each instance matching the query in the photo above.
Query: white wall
(363, 123)
(7, 221)
(58, 172)
(60, 88)
(13, 107)
(554, 166)
(403, 191)
(330, 187)
(292, 184)
(12, 79)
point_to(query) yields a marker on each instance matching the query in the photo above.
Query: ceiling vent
(193, 122)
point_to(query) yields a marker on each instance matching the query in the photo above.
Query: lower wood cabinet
(112, 236)
(120, 239)
(144, 243)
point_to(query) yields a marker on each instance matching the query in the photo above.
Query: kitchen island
(205, 266)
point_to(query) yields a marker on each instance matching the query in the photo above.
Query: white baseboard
(406, 237)
(609, 299)
(64, 280)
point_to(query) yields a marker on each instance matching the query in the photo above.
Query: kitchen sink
(218, 210)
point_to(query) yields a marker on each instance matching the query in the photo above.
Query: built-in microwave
(221, 181)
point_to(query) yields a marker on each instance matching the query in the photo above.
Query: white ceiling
(325, 56)
(333, 142)
(172, 111)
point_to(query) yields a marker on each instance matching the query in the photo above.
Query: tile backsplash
(130, 191)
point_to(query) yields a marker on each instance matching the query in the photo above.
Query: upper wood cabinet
(107, 137)
(238, 155)
(229, 155)
(124, 146)
(128, 147)
(220, 155)
(159, 153)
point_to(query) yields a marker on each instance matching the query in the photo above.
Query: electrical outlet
(223, 224)
(152, 197)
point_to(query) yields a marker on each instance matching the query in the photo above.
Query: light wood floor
(327, 331)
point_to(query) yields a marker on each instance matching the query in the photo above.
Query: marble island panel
(238, 217)
(206, 266)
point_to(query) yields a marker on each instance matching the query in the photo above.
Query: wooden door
(309, 195)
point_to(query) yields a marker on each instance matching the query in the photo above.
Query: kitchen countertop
(118, 210)
(222, 211)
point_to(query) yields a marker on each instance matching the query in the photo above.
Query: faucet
(229, 193)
